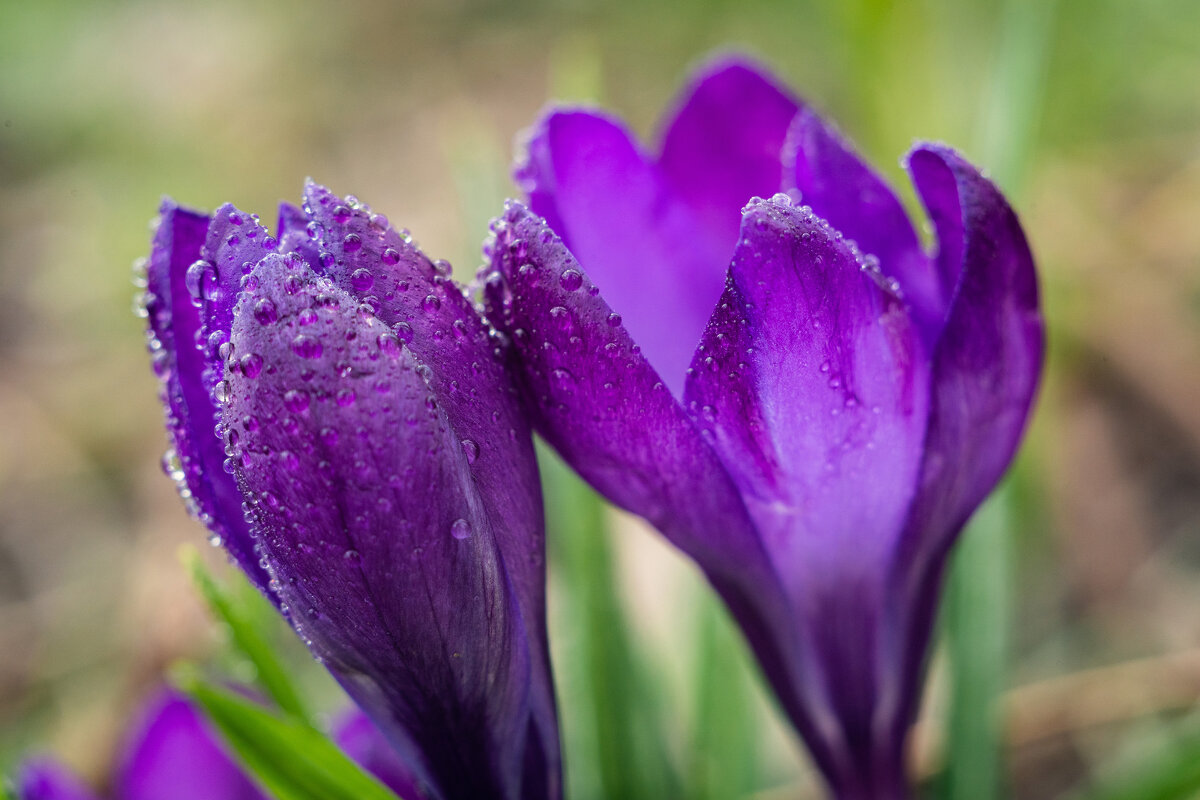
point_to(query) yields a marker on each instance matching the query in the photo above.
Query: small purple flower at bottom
(813, 421)
(170, 752)
(344, 422)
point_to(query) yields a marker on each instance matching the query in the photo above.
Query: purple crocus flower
(345, 423)
(801, 398)
(170, 752)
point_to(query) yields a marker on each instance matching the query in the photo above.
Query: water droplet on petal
(296, 400)
(307, 347)
(571, 280)
(362, 280)
(389, 344)
(460, 529)
(251, 364)
(470, 450)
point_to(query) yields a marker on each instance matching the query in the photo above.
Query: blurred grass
(105, 106)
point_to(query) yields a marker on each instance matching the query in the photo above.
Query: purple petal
(848, 194)
(985, 373)
(175, 331)
(358, 738)
(724, 143)
(363, 255)
(600, 403)
(45, 779)
(171, 752)
(638, 240)
(812, 383)
(375, 530)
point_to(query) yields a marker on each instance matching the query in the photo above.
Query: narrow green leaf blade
(271, 675)
(627, 736)
(977, 619)
(726, 736)
(291, 760)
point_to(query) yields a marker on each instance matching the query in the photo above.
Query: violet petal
(427, 312)
(855, 200)
(175, 337)
(172, 752)
(361, 740)
(723, 144)
(375, 532)
(985, 373)
(46, 779)
(585, 174)
(812, 383)
(598, 400)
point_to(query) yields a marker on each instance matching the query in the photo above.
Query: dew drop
(345, 397)
(295, 400)
(470, 450)
(307, 347)
(404, 332)
(352, 243)
(571, 280)
(389, 344)
(460, 529)
(200, 276)
(390, 256)
(362, 280)
(252, 364)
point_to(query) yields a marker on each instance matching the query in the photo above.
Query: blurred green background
(1072, 653)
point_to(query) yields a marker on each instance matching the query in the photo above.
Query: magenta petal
(371, 522)
(985, 374)
(723, 145)
(357, 736)
(841, 189)
(812, 383)
(45, 779)
(178, 359)
(641, 244)
(171, 752)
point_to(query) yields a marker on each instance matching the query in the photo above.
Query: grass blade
(291, 759)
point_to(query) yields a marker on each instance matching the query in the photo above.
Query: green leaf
(976, 622)
(291, 759)
(726, 733)
(271, 675)
(624, 733)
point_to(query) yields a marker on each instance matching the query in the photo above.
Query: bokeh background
(1071, 654)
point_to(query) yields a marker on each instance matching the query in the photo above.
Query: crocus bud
(346, 425)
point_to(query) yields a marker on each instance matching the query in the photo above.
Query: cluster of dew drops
(203, 286)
